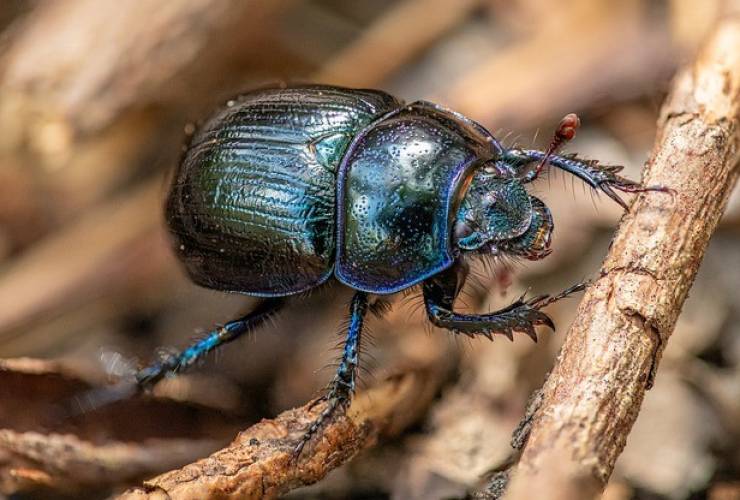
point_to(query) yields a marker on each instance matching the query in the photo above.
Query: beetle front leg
(440, 292)
(605, 178)
(521, 316)
(342, 387)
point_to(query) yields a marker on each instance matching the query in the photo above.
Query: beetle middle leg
(342, 387)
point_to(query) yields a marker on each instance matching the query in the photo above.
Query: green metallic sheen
(252, 205)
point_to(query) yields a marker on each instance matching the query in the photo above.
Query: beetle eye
(462, 230)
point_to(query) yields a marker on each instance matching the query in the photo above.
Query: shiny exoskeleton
(284, 189)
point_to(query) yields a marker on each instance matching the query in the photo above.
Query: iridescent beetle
(285, 189)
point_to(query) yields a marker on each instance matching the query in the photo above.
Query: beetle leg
(521, 316)
(602, 177)
(342, 387)
(149, 376)
(232, 330)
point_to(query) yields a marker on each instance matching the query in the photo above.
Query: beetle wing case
(252, 205)
(400, 185)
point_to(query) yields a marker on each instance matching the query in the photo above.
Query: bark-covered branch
(260, 462)
(594, 393)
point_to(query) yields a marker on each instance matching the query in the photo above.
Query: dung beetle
(284, 189)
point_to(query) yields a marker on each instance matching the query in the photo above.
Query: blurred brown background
(94, 97)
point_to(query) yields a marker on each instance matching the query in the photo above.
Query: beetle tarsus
(546, 300)
(97, 398)
(174, 363)
(338, 401)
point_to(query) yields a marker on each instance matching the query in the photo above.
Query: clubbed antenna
(565, 132)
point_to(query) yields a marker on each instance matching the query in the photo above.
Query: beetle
(285, 189)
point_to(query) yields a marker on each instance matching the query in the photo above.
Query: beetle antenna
(565, 132)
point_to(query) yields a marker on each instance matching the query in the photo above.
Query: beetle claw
(540, 318)
(529, 331)
(607, 189)
(538, 301)
(547, 321)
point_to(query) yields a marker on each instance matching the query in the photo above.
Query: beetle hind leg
(174, 363)
(342, 386)
(231, 331)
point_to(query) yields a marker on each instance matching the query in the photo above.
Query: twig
(260, 464)
(42, 454)
(594, 393)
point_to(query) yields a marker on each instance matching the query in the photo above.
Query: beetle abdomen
(252, 206)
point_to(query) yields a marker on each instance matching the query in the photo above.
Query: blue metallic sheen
(399, 189)
(285, 187)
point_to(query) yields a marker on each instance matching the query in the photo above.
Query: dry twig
(593, 395)
(259, 463)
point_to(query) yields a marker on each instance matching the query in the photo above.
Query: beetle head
(534, 243)
(498, 216)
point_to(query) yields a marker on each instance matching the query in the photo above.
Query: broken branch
(612, 350)
(260, 462)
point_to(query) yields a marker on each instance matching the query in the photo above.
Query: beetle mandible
(285, 189)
